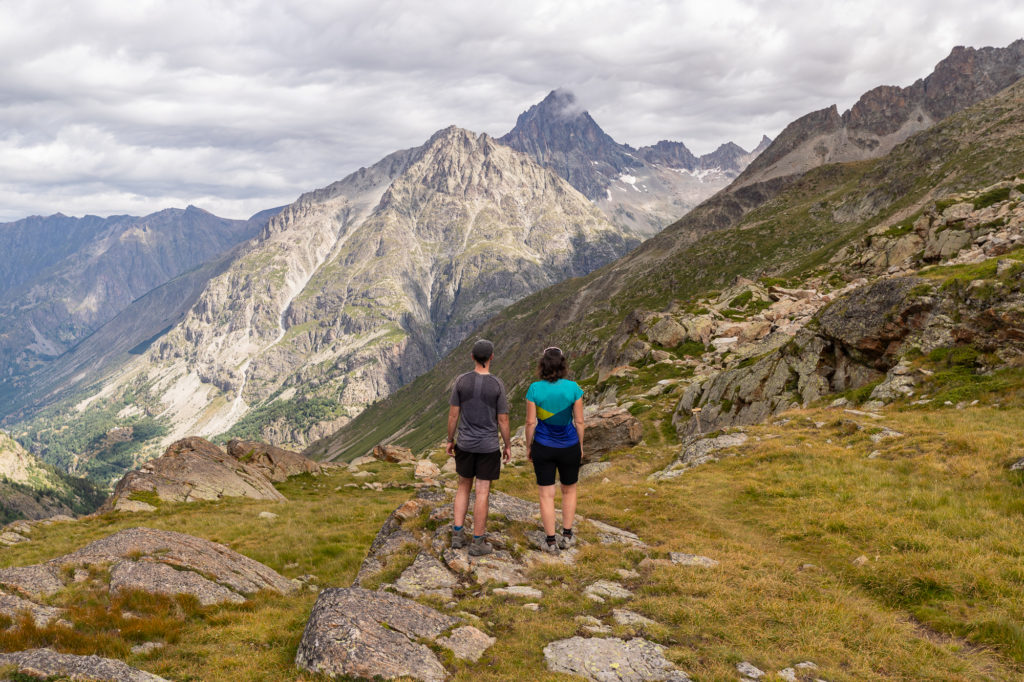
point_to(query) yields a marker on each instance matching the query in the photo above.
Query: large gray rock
(359, 633)
(48, 663)
(393, 453)
(186, 552)
(162, 579)
(667, 332)
(195, 469)
(700, 452)
(158, 561)
(608, 429)
(275, 463)
(426, 575)
(611, 660)
(852, 342)
(40, 580)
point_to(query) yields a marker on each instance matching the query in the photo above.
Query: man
(479, 407)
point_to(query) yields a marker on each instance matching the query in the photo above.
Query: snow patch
(628, 179)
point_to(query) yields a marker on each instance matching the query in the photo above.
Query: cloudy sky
(235, 106)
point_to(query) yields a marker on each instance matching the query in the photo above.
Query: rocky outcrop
(158, 561)
(611, 660)
(346, 633)
(393, 453)
(608, 429)
(273, 462)
(699, 452)
(49, 664)
(195, 469)
(856, 340)
(887, 115)
(359, 633)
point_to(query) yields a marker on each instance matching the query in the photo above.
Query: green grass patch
(991, 197)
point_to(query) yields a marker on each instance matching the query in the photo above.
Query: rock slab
(346, 635)
(273, 462)
(611, 660)
(159, 561)
(47, 663)
(195, 469)
(610, 429)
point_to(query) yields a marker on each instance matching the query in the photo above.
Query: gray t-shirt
(480, 399)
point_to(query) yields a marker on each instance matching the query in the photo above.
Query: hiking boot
(480, 547)
(549, 547)
(566, 541)
(458, 538)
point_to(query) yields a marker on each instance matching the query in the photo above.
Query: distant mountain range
(62, 279)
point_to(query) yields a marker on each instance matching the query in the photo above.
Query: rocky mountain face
(63, 278)
(887, 115)
(359, 287)
(603, 319)
(643, 189)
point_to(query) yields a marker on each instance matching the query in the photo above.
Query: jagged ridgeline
(779, 229)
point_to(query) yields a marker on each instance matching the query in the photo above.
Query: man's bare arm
(453, 422)
(506, 435)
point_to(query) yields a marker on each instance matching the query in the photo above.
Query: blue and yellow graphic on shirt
(554, 401)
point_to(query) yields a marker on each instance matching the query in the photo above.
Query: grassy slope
(937, 514)
(792, 234)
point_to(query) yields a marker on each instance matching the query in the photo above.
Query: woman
(554, 431)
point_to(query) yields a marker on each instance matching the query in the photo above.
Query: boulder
(667, 333)
(159, 561)
(468, 643)
(681, 559)
(426, 575)
(610, 429)
(427, 469)
(699, 452)
(607, 589)
(611, 660)
(194, 469)
(275, 463)
(393, 453)
(49, 664)
(593, 469)
(359, 633)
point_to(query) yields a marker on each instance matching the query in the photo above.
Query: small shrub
(691, 349)
(991, 197)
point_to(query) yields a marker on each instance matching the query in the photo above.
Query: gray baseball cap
(482, 350)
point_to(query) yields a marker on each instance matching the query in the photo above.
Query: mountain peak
(560, 134)
(561, 103)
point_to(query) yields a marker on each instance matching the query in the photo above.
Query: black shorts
(483, 465)
(547, 459)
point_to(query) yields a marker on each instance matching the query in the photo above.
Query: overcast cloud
(109, 106)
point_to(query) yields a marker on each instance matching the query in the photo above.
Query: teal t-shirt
(554, 401)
